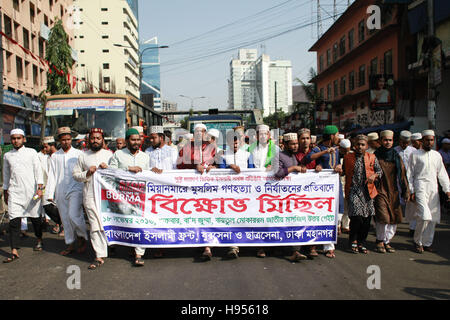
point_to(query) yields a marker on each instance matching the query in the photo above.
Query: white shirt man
(161, 155)
(22, 180)
(67, 192)
(425, 169)
(87, 164)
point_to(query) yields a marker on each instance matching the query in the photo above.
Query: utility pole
(431, 113)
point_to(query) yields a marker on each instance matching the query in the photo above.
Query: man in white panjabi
(425, 169)
(264, 150)
(162, 157)
(67, 192)
(134, 160)
(87, 164)
(22, 188)
(404, 150)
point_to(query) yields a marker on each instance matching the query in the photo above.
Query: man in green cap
(134, 160)
(326, 156)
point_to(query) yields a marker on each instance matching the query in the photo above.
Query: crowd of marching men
(378, 180)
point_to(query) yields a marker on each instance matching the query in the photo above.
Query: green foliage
(275, 120)
(58, 53)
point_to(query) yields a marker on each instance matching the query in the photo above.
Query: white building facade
(107, 41)
(259, 83)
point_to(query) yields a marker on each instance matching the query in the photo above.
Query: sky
(205, 35)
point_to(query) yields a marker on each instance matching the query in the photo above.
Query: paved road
(404, 274)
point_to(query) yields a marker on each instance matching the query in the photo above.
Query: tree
(310, 88)
(59, 55)
(275, 119)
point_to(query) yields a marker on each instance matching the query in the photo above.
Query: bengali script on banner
(182, 208)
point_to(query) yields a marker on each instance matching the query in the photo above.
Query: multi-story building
(26, 25)
(168, 106)
(107, 41)
(151, 79)
(259, 83)
(362, 73)
(421, 76)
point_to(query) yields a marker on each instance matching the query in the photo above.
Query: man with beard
(327, 156)
(288, 163)
(304, 138)
(425, 169)
(88, 162)
(264, 149)
(388, 212)
(198, 154)
(162, 157)
(22, 181)
(134, 160)
(67, 192)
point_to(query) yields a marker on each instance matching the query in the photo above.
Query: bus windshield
(82, 120)
(83, 114)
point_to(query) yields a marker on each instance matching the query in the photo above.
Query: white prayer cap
(341, 136)
(446, 140)
(17, 131)
(156, 129)
(138, 128)
(48, 140)
(373, 136)
(200, 126)
(416, 136)
(263, 128)
(427, 133)
(405, 135)
(290, 136)
(313, 139)
(345, 143)
(387, 133)
(214, 133)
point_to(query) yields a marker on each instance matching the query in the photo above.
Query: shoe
(261, 253)
(429, 249)
(389, 249)
(233, 254)
(297, 256)
(419, 248)
(313, 252)
(380, 248)
(344, 230)
(38, 247)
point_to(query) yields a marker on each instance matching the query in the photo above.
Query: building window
(32, 12)
(16, 5)
(329, 91)
(8, 26)
(350, 39)
(19, 68)
(41, 47)
(35, 76)
(104, 22)
(351, 80)
(328, 57)
(388, 62)
(374, 66)
(343, 89)
(105, 37)
(106, 66)
(321, 63)
(81, 37)
(321, 93)
(8, 61)
(361, 30)
(335, 52)
(336, 88)
(342, 46)
(362, 75)
(105, 50)
(104, 9)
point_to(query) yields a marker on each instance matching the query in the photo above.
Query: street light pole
(192, 99)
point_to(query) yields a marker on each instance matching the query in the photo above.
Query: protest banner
(182, 208)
